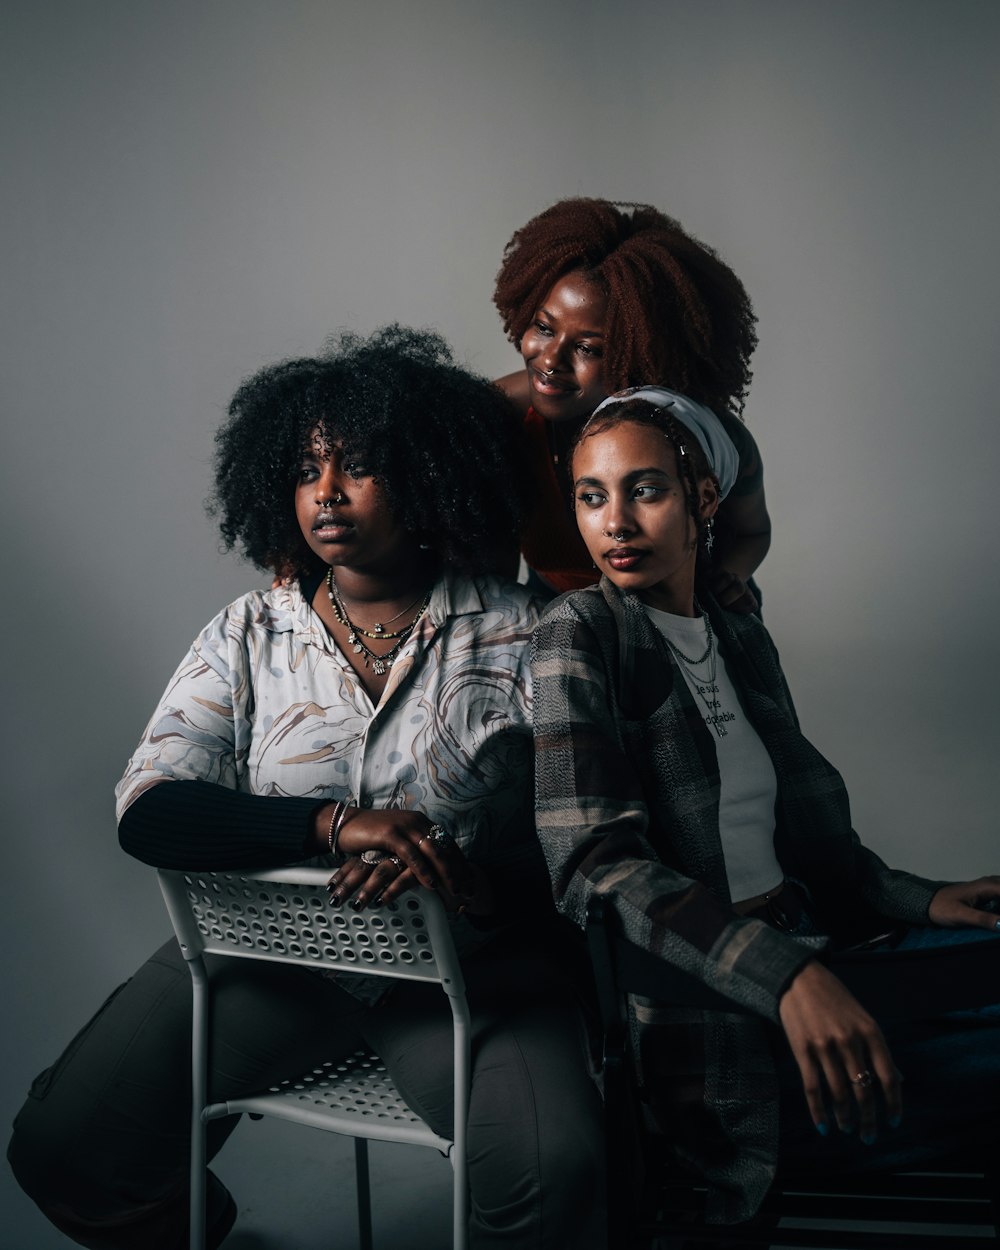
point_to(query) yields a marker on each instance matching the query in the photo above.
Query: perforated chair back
(285, 916)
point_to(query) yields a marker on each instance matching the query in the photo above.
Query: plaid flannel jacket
(627, 788)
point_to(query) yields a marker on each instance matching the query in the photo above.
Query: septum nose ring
(619, 537)
(338, 498)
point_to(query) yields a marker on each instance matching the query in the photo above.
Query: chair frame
(284, 916)
(961, 1190)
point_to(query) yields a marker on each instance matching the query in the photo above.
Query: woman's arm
(744, 527)
(197, 824)
(741, 549)
(180, 804)
(592, 823)
(966, 904)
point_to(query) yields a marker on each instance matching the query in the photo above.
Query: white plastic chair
(284, 915)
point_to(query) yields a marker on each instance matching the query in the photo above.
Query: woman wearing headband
(598, 296)
(673, 780)
(373, 712)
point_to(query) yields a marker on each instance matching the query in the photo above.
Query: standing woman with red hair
(598, 296)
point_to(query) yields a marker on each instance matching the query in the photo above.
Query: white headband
(720, 451)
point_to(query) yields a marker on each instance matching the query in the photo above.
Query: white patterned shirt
(265, 703)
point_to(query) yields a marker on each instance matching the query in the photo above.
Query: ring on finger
(372, 857)
(394, 860)
(864, 1079)
(439, 835)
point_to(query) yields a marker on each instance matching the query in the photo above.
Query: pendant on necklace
(352, 637)
(357, 649)
(377, 628)
(378, 668)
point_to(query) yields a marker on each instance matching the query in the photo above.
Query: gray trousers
(102, 1143)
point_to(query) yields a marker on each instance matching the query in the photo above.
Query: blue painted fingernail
(895, 1121)
(822, 1128)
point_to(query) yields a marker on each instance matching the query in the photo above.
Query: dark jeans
(102, 1142)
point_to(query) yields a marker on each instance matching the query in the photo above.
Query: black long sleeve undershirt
(195, 824)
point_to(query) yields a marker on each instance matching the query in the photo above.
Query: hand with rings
(841, 1053)
(391, 851)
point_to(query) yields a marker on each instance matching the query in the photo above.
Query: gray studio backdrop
(195, 189)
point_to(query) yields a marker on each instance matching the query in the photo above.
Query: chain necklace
(378, 632)
(701, 683)
(356, 635)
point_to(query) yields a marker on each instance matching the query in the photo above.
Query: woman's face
(632, 510)
(343, 513)
(563, 350)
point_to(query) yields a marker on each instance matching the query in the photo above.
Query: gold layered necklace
(356, 635)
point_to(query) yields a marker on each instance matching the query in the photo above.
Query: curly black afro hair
(677, 314)
(444, 445)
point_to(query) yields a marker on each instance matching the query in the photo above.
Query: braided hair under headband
(720, 451)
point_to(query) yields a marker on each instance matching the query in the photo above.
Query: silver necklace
(377, 631)
(380, 663)
(686, 662)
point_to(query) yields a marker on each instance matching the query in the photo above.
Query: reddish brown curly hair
(677, 315)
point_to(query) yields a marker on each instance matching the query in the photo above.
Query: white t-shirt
(749, 787)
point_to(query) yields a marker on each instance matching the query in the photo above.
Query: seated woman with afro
(382, 690)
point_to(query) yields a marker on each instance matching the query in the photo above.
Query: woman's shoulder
(275, 611)
(740, 434)
(588, 604)
(493, 596)
(515, 387)
(583, 619)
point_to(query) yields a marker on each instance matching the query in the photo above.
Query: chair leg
(199, 1180)
(364, 1193)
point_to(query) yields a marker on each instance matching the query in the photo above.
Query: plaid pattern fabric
(627, 803)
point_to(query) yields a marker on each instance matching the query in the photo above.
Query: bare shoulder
(515, 387)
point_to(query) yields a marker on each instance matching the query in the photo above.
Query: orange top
(551, 543)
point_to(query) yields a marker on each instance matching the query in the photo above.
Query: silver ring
(394, 860)
(372, 857)
(864, 1079)
(439, 835)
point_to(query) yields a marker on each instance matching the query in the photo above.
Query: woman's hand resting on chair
(414, 852)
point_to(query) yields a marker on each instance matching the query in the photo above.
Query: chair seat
(354, 1096)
